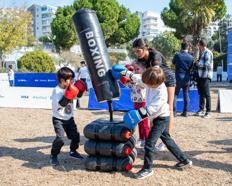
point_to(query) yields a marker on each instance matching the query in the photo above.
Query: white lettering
(92, 43)
(96, 55)
(89, 35)
(101, 72)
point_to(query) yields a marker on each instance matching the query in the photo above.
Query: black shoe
(184, 164)
(75, 155)
(143, 173)
(54, 160)
(184, 114)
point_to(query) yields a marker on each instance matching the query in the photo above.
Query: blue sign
(229, 56)
(35, 79)
(124, 103)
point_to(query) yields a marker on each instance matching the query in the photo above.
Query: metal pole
(110, 110)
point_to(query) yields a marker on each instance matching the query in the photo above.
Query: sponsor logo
(39, 97)
(24, 97)
(22, 80)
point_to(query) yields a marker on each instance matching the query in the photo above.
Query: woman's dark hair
(140, 43)
(65, 73)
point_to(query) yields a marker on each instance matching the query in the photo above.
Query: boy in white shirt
(157, 110)
(62, 113)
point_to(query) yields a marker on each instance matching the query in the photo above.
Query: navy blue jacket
(183, 62)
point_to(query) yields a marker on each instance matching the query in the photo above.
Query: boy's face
(64, 84)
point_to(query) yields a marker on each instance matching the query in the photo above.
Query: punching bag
(108, 148)
(102, 163)
(102, 130)
(95, 53)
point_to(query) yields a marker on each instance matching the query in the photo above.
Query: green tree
(128, 27)
(118, 24)
(15, 30)
(36, 61)
(62, 28)
(191, 18)
(167, 44)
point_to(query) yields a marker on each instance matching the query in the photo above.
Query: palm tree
(197, 15)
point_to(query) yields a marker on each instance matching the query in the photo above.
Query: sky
(133, 5)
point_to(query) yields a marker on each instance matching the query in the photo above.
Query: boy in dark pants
(62, 113)
(157, 110)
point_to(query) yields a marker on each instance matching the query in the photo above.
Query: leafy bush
(36, 61)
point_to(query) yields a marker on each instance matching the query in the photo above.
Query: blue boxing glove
(118, 71)
(133, 117)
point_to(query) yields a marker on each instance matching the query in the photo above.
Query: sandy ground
(26, 136)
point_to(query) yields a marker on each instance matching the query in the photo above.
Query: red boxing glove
(80, 85)
(130, 67)
(70, 93)
(124, 80)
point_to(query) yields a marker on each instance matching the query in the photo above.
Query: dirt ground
(26, 136)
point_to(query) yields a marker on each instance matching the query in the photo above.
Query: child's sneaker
(140, 143)
(54, 160)
(75, 155)
(184, 164)
(160, 147)
(143, 173)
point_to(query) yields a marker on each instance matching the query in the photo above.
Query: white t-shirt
(138, 92)
(11, 74)
(83, 72)
(156, 98)
(64, 113)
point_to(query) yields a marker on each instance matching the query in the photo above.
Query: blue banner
(124, 103)
(229, 56)
(35, 79)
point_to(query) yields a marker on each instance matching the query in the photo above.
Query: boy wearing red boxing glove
(62, 113)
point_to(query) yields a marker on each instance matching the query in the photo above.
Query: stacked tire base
(111, 146)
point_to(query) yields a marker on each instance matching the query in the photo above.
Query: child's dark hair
(65, 73)
(153, 76)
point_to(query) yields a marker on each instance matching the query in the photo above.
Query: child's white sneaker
(140, 143)
(160, 147)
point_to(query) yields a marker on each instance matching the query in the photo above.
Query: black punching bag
(109, 148)
(102, 130)
(102, 163)
(95, 53)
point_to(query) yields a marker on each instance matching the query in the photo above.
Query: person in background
(183, 62)
(11, 75)
(219, 73)
(205, 73)
(84, 73)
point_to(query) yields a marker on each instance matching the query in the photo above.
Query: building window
(44, 8)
